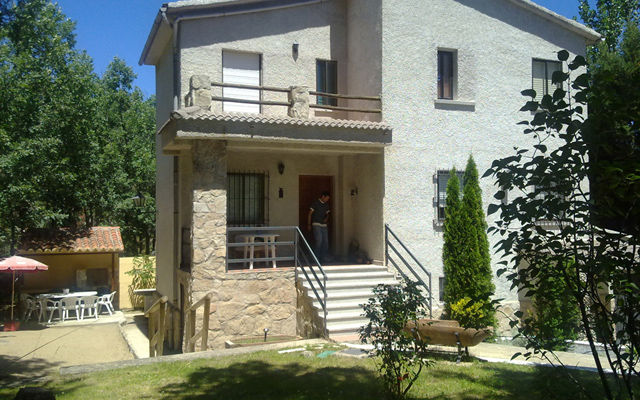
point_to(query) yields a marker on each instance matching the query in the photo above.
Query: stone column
(200, 91)
(299, 100)
(209, 215)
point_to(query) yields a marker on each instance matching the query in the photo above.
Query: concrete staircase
(348, 286)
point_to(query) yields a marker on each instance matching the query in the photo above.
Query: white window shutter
(243, 69)
(553, 67)
(539, 79)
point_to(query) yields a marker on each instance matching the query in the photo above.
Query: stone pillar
(209, 215)
(299, 100)
(200, 91)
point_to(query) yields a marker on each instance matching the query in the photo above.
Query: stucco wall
(319, 29)
(125, 281)
(365, 53)
(495, 45)
(382, 46)
(362, 211)
(165, 227)
(63, 272)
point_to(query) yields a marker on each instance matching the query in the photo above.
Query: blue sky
(110, 28)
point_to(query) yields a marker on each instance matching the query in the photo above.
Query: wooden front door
(310, 188)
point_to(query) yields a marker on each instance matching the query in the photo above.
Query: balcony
(262, 113)
(294, 101)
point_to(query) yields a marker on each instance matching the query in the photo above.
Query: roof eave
(592, 37)
(170, 13)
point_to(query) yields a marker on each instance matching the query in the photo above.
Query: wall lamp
(295, 48)
(281, 168)
(139, 200)
(354, 191)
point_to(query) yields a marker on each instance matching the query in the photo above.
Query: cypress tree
(479, 285)
(467, 263)
(452, 234)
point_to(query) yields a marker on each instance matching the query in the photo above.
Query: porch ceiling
(196, 123)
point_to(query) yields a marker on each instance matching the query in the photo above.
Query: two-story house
(264, 104)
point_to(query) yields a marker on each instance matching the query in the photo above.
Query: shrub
(144, 277)
(471, 314)
(400, 353)
(556, 320)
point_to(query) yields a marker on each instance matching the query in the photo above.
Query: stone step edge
(352, 283)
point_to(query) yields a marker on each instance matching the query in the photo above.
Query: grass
(269, 375)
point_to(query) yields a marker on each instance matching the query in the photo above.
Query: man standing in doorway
(317, 220)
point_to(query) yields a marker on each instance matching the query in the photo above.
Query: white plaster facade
(383, 47)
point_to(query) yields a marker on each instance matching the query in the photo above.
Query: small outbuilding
(78, 259)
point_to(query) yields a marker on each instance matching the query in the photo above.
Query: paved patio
(36, 351)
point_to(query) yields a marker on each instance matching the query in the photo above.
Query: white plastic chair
(71, 304)
(52, 306)
(90, 303)
(31, 305)
(107, 301)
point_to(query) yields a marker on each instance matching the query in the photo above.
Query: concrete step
(348, 288)
(353, 284)
(344, 329)
(338, 305)
(346, 317)
(361, 268)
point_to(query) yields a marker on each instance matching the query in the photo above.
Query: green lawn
(269, 375)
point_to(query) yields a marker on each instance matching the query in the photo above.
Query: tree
(467, 264)
(614, 108)
(46, 105)
(124, 159)
(549, 232)
(452, 251)
(556, 321)
(610, 18)
(480, 287)
(74, 148)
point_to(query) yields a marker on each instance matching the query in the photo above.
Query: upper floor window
(327, 81)
(541, 77)
(442, 179)
(243, 69)
(446, 74)
(246, 199)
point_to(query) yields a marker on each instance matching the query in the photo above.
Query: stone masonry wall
(243, 303)
(248, 302)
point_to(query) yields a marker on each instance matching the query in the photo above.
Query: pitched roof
(99, 239)
(190, 9)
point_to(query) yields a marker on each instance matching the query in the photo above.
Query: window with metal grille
(541, 77)
(442, 178)
(247, 201)
(327, 81)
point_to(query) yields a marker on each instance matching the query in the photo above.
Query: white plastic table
(57, 296)
(269, 244)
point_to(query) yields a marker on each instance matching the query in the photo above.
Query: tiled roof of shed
(197, 113)
(99, 239)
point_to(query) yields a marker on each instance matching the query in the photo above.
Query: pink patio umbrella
(20, 264)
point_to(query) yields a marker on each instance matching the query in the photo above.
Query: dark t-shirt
(320, 211)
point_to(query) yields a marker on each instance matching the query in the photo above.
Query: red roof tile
(99, 239)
